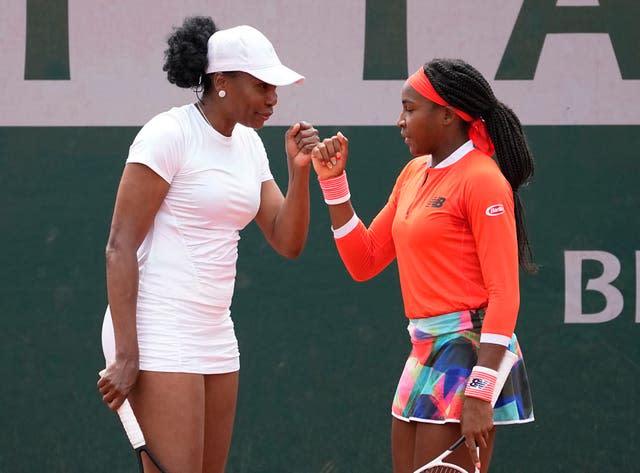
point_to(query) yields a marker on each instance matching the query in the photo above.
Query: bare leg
(170, 409)
(403, 440)
(221, 392)
(433, 439)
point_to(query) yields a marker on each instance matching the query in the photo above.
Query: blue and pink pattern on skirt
(444, 350)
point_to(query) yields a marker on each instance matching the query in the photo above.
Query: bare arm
(139, 197)
(284, 221)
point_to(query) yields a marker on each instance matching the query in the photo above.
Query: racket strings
(445, 469)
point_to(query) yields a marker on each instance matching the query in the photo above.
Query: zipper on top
(419, 194)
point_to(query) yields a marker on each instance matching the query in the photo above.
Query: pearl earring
(222, 93)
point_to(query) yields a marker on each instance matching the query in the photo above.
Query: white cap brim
(277, 75)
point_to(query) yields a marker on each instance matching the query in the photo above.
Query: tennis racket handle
(130, 423)
(508, 360)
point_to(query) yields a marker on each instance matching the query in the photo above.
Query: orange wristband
(481, 383)
(336, 189)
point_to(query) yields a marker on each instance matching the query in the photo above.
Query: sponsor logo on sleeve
(494, 210)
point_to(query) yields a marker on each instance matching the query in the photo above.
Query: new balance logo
(478, 383)
(436, 202)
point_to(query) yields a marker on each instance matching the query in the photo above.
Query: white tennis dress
(187, 261)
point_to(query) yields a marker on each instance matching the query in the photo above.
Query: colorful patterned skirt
(444, 350)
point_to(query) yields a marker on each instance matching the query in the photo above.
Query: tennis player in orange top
(454, 222)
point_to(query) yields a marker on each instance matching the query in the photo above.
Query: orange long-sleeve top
(452, 230)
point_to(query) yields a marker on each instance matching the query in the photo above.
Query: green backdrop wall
(320, 353)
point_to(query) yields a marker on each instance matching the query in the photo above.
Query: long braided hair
(463, 87)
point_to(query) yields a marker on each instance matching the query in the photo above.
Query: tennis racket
(135, 435)
(438, 465)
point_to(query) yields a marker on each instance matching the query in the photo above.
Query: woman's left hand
(476, 423)
(300, 139)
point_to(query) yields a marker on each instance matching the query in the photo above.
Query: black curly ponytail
(463, 87)
(186, 57)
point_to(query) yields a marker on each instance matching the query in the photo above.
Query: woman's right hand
(329, 157)
(116, 382)
(140, 195)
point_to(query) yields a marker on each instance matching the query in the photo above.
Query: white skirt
(179, 337)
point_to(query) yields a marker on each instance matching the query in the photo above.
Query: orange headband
(477, 130)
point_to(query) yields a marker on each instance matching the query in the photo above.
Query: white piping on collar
(454, 157)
